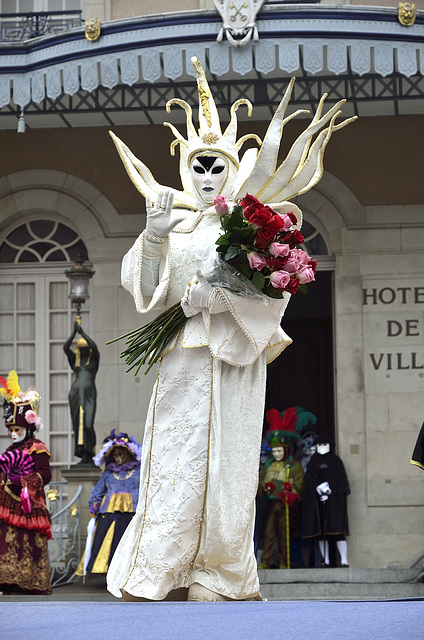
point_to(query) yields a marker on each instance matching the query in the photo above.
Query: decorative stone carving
(238, 20)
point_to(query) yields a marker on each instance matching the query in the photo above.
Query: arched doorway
(35, 316)
(303, 375)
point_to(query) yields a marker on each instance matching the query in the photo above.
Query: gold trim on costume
(11, 494)
(417, 464)
(81, 426)
(121, 502)
(101, 563)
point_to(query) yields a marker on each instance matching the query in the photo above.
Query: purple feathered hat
(117, 440)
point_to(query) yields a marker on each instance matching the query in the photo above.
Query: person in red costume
(25, 525)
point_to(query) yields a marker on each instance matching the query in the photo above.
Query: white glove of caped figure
(323, 490)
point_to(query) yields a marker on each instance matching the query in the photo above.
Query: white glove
(159, 223)
(323, 490)
(199, 296)
(158, 226)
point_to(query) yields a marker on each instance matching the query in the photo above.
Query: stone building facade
(367, 210)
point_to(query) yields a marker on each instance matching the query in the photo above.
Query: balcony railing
(65, 545)
(20, 27)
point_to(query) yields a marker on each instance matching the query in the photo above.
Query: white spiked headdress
(209, 139)
(257, 172)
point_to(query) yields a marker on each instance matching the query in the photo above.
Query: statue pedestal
(87, 475)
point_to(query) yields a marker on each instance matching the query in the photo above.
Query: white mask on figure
(211, 176)
(17, 434)
(278, 453)
(324, 448)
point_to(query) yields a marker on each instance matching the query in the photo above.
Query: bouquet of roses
(256, 252)
(261, 244)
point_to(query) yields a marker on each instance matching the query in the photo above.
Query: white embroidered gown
(200, 461)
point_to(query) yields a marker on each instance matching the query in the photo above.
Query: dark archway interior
(303, 375)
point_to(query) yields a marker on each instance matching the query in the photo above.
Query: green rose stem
(151, 339)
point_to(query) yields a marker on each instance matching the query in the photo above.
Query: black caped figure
(324, 505)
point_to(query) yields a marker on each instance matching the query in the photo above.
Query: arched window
(36, 318)
(43, 241)
(314, 242)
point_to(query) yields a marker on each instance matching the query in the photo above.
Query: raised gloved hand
(323, 490)
(159, 223)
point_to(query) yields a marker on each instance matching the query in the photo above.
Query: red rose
(261, 217)
(276, 223)
(276, 263)
(293, 285)
(289, 498)
(292, 217)
(292, 239)
(250, 201)
(264, 237)
(270, 487)
(248, 211)
(313, 264)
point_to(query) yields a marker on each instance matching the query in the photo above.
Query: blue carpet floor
(305, 620)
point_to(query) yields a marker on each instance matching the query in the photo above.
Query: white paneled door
(35, 320)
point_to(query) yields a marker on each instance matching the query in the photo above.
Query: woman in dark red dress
(25, 525)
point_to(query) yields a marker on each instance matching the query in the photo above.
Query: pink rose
(280, 279)
(301, 256)
(221, 205)
(256, 260)
(277, 249)
(288, 221)
(306, 274)
(292, 265)
(30, 416)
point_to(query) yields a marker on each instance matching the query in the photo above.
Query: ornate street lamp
(79, 275)
(84, 362)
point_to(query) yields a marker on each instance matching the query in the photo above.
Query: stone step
(338, 575)
(341, 584)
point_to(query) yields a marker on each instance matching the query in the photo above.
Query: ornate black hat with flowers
(19, 408)
(285, 427)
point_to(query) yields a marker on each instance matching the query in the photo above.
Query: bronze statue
(84, 362)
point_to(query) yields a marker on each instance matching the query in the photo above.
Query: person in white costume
(192, 535)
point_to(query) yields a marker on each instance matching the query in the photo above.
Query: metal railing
(19, 27)
(65, 545)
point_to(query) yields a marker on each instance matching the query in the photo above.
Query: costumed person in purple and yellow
(113, 501)
(25, 525)
(282, 479)
(324, 505)
(192, 536)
